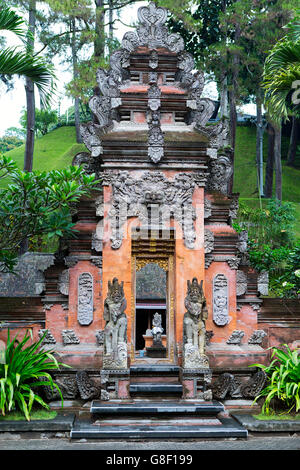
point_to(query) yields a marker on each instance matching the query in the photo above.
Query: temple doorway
(151, 299)
(152, 315)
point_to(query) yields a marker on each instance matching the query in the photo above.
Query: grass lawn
(34, 415)
(52, 151)
(278, 417)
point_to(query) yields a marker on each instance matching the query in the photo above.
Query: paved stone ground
(254, 442)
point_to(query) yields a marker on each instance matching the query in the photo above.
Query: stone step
(141, 369)
(223, 428)
(156, 408)
(149, 388)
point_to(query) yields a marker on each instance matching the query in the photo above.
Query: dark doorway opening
(143, 318)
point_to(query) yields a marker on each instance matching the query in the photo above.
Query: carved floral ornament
(153, 198)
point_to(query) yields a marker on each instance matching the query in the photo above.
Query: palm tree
(281, 74)
(14, 61)
(280, 77)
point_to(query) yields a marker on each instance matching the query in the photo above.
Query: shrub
(23, 370)
(283, 380)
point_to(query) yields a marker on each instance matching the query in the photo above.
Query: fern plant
(22, 371)
(283, 379)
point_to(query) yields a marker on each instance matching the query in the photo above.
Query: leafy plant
(23, 370)
(37, 203)
(272, 225)
(283, 379)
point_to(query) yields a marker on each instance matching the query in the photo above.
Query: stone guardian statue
(194, 356)
(115, 331)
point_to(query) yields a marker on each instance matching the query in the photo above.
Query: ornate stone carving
(153, 60)
(263, 283)
(208, 260)
(63, 282)
(241, 283)
(104, 395)
(132, 196)
(254, 385)
(228, 386)
(157, 329)
(86, 386)
(69, 337)
(205, 109)
(100, 337)
(208, 241)
(223, 386)
(67, 385)
(85, 299)
(207, 208)
(194, 338)
(89, 133)
(220, 173)
(152, 31)
(257, 337)
(236, 337)
(49, 338)
(234, 207)
(242, 244)
(220, 300)
(233, 262)
(115, 331)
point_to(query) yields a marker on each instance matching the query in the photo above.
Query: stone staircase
(156, 410)
(155, 381)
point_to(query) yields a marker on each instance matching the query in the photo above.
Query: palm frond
(11, 21)
(17, 62)
(281, 72)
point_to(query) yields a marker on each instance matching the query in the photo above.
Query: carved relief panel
(220, 300)
(85, 299)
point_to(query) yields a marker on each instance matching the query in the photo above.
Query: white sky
(12, 102)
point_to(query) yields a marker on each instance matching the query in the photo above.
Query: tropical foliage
(272, 224)
(283, 380)
(281, 78)
(23, 370)
(16, 61)
(37, 203)
(44, 120)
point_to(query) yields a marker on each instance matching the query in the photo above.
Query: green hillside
(57, 149)
(52, 151)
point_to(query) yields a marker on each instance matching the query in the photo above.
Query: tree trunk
(277, 163)
(111, 27)
(224, 98)
(30, 101)
(293, 142)
(268, 188)
(232, 100)
(259, 143)
(99, 43)
(75, 75)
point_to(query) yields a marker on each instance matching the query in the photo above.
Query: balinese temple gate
(164, 232)
(155, 292)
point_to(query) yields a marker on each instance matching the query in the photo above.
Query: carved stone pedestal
(196, 383)
(115, 384)
(156, 350)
